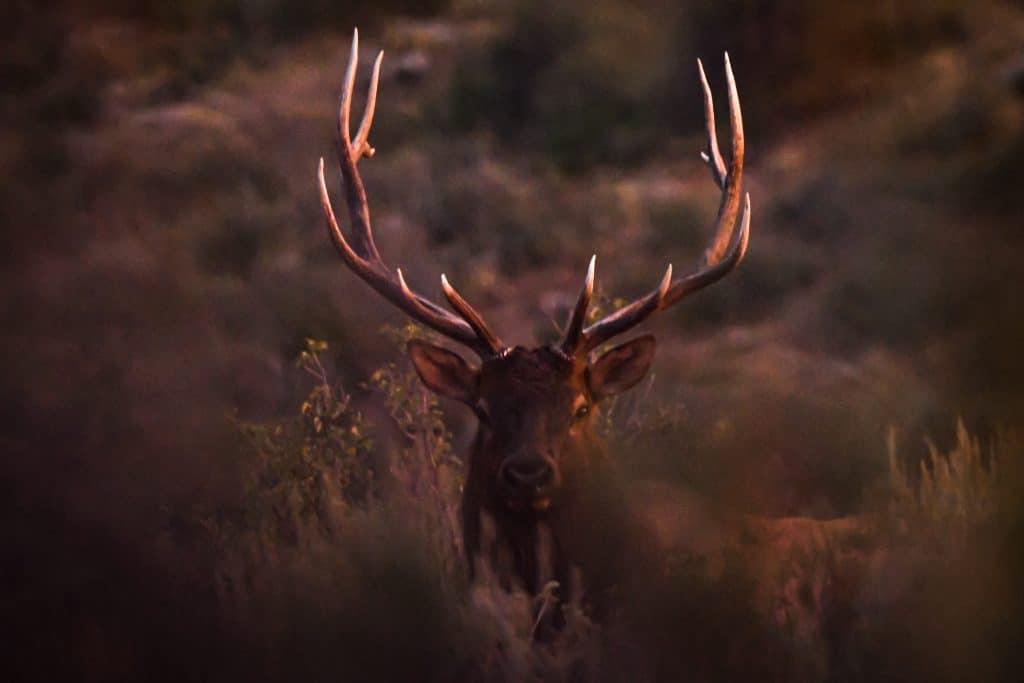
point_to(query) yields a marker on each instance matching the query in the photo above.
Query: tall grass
(333, 572)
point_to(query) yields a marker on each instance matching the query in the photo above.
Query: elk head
(534, 404)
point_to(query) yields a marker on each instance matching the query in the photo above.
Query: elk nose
(522, 474)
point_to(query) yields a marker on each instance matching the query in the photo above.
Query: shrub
(933, 602)
(953, 494)
(590, 84)
(309, 469)
(573, 80)
(336, 565)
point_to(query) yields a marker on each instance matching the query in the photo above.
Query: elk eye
(582, 412)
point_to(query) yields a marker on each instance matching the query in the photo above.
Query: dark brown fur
(530, 397)
(536, 409)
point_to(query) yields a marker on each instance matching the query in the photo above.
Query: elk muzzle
(528, 481)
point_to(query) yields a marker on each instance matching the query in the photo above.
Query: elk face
(535, 408)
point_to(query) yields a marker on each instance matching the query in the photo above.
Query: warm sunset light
(509, 340)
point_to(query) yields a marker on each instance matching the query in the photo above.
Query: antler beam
(727, 248)
(361, 256)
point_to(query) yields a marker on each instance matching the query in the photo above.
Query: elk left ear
(620, 368)
(443, 371)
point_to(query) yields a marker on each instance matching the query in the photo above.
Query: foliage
(588, 84)
(428, 473)
(558, 79)
(165, 259)
(943, 569)
(309, 469)
(415, 410)
(378, 566)
(954, 493)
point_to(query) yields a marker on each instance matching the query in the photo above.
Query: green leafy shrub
(309, 469)
(415, 411)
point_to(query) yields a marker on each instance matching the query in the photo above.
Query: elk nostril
(528, 474)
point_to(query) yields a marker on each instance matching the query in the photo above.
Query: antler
(363, 259)
(725, 252)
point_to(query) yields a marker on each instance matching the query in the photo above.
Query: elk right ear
(443, 371)
(621, 367)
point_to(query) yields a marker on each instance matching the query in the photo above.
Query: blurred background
(165, 265)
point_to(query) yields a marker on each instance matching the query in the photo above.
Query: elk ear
(620, 368)
(443, 371)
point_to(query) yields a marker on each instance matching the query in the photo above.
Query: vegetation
(184, 502)
(378, 585)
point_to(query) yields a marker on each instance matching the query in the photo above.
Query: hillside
(165, 258)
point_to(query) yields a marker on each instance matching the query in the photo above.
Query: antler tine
(362, 143)
(364, 260)
(574, 330)
(469, 314)
(626, 317)
(359, 147)
(395, 290)
(711, 156)
(728, 209)
(348, 156)
(347, 85)
(728, 246)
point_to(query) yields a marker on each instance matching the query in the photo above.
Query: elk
(535, 406)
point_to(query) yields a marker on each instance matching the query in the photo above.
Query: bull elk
(535, 406)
